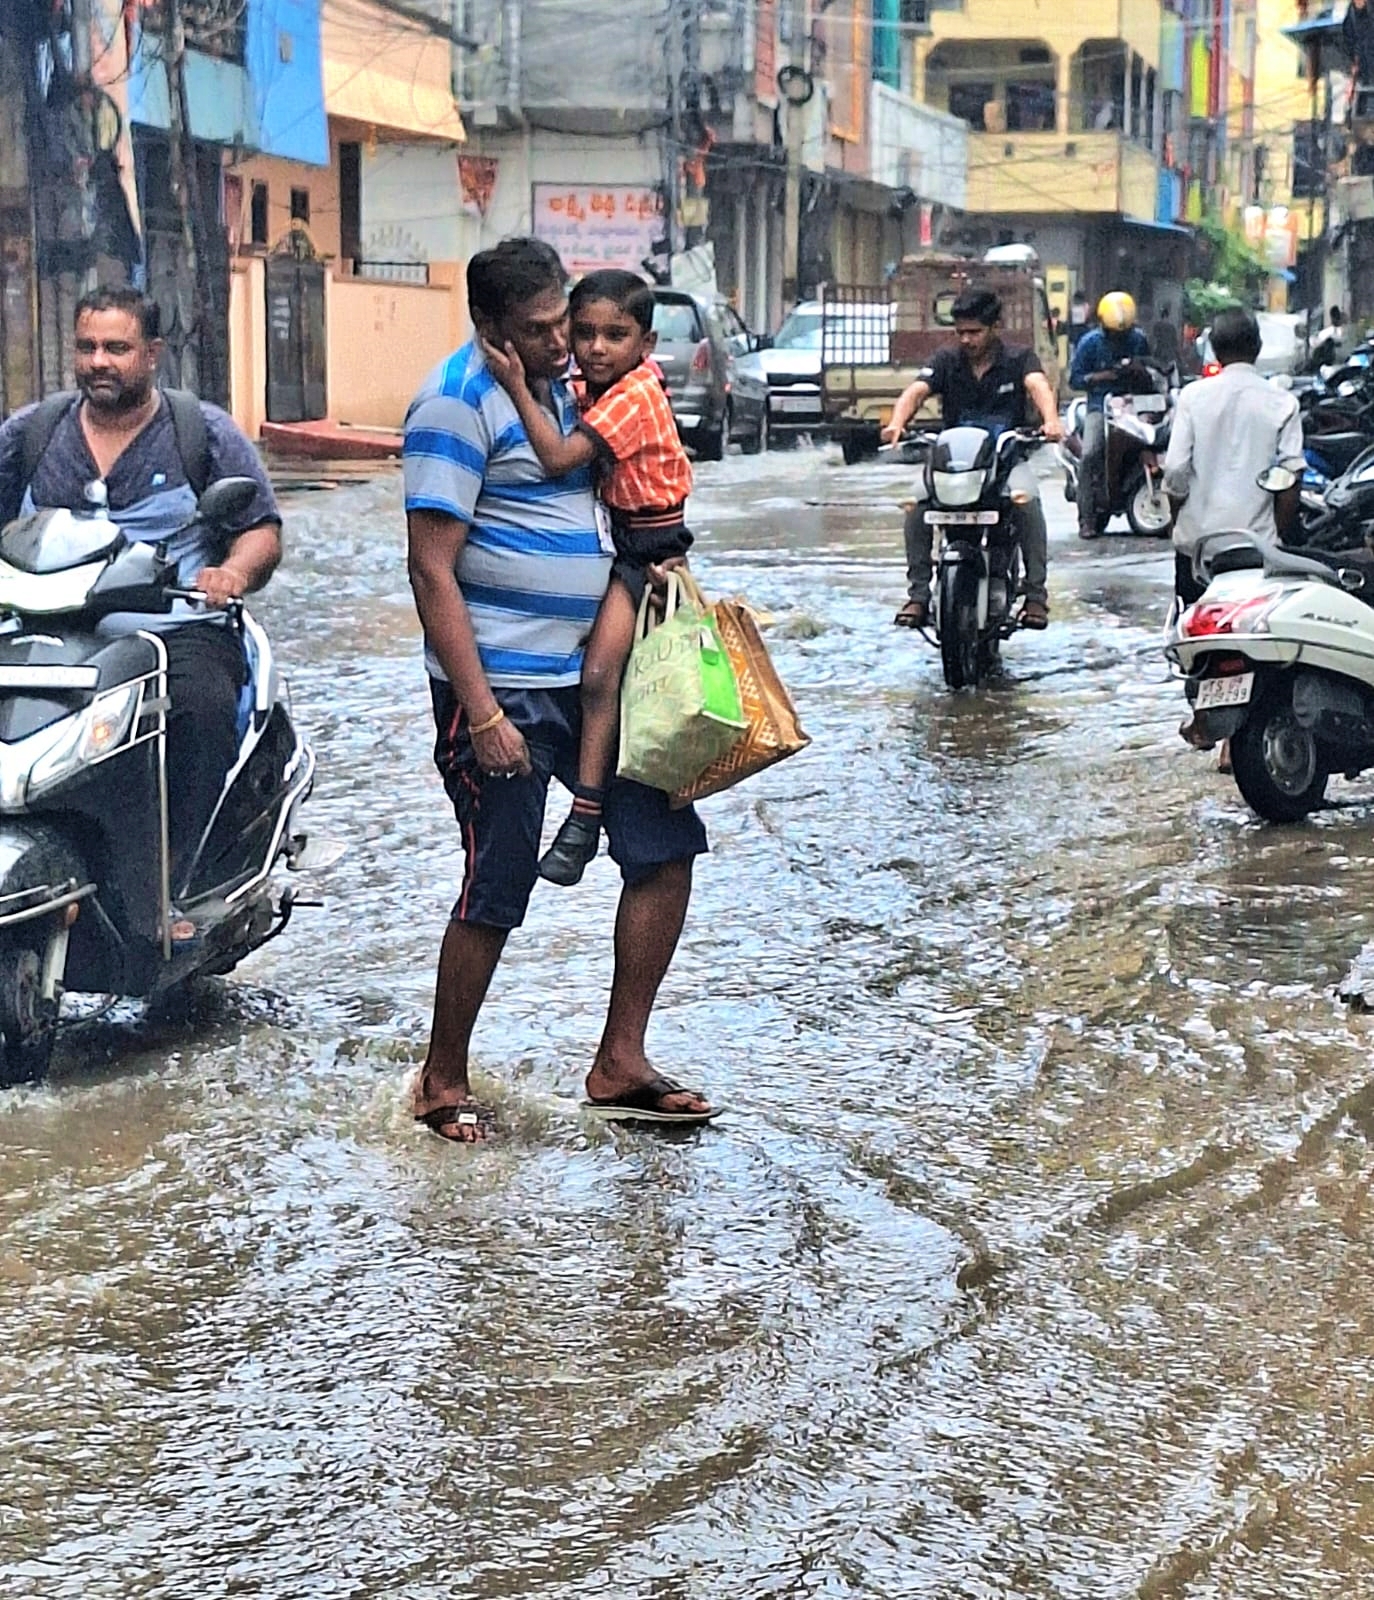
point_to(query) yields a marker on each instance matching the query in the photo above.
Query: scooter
(86, 885)
(1137, 437)
(969, 505)
(1278, 657)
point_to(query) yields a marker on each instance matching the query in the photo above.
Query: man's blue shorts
(501, 818)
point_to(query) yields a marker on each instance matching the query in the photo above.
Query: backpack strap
(188, 425)
(192, 436)
(38, 429)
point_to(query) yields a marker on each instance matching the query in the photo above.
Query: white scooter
(1279, 658)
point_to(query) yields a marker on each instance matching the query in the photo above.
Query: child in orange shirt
(628, 431)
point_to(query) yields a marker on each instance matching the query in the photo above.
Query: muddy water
(1030, 1259)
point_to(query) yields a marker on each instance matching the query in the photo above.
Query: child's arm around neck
(558, 453)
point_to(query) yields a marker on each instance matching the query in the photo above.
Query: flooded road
(1029, 1260)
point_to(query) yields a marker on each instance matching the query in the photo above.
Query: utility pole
(198, 309)
(795, 90)
(81, 22)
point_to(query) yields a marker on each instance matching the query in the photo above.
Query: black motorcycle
(978, 568)
(86, 886)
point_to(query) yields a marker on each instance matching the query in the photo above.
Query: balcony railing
(1104, 173)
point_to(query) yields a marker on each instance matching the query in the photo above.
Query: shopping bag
(773, 731)
(679, 702)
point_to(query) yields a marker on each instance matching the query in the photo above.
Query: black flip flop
(907, 618)
(644, 1104)
(466, 1114)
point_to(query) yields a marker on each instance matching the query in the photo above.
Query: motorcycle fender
(1338, 713)
(39, 872)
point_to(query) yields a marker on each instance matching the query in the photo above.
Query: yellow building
(1068, 111)
(1285, 102)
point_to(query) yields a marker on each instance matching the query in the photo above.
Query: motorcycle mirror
(226, 501)
(1277, 479)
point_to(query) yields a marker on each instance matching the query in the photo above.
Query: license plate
(981, 519)
(1231, 691)
(797, 402)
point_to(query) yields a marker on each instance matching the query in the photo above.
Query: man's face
(975, 338)
(538, 328)
(116, 366)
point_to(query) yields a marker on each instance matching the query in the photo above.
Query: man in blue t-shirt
(508, 570)
(118, 430)
(1097, 363)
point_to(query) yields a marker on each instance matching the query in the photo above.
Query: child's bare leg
(603, 666)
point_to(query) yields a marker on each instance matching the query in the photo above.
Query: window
(300, 205)
(350, 201)
(216, 27)
(257, 231)
(967, 100)
(675, 321)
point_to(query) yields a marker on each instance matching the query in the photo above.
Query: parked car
(790, 363)
(1281, 344)
(701, 344)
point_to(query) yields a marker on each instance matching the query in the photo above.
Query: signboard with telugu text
(598, 225)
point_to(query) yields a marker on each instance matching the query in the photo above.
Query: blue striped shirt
(533, 568)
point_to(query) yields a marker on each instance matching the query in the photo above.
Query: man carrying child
(509, 574)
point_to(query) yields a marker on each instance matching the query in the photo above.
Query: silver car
(701, 345)
(790, 363)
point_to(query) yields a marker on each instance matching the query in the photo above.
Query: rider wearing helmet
(1097, 369)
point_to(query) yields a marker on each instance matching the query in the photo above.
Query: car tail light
(701, 357)
(1211, 617)
(1211, 369)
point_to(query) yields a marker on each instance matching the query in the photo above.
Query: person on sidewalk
(1226, 431)
(989, 384)
(508, 571)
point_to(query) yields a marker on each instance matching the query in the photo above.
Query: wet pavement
(1028, 1261)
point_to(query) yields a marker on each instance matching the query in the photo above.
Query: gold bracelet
(489, 724)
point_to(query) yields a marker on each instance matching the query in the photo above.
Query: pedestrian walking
(508, 571)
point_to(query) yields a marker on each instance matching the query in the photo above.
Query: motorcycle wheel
(1275, 760)
(960, 655)
(1148, 513)
(28, 1022)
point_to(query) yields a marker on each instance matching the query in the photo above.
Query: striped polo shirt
(532, 569)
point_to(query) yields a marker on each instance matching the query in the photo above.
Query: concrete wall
(1033, 172)
(410, 203)
(281, 177)
(248, 345)
(525, 159)
(385, 337)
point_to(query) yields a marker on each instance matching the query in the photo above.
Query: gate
(296, 347)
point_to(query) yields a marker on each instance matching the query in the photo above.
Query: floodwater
(1029, 1260)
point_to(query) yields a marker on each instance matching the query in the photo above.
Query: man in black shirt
(993, 385)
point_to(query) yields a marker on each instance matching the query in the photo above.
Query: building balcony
(917, 148)
(1103, 174)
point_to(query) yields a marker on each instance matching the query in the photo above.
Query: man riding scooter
(984, 382)
(149, 454)
(1097, 368)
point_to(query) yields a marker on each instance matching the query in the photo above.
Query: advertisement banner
(598, 225)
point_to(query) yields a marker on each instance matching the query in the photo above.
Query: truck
(875, 339)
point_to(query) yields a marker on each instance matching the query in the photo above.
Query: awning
(391, 104)
(1158, 227)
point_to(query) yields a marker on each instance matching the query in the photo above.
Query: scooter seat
(1337, 450)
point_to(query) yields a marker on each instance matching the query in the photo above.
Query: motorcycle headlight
(958, 488)
(99, 730)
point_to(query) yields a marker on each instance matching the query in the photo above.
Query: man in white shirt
(1226, 431)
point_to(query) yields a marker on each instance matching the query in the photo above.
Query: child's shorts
(643, 538)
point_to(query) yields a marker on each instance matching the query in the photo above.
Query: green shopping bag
(679, 702)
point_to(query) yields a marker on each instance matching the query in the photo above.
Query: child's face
(607, 342)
